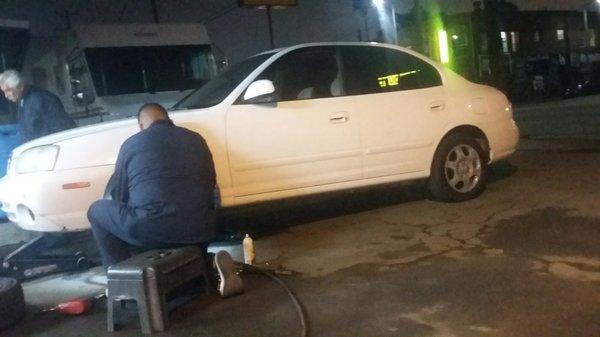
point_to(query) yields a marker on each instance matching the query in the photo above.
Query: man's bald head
(150, 113)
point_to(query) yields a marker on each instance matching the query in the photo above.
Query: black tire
(12, 302)
(466, 177)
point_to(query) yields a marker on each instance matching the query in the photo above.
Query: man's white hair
(11, 78)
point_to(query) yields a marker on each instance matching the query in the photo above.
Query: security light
(443, 41)
(379, 3)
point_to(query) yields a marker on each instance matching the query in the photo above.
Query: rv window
(128, 70)
(13, 44)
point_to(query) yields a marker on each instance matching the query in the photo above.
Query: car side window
(427, 75)
(370, 70)
(306, 73)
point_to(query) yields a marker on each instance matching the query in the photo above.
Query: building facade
(528, 54)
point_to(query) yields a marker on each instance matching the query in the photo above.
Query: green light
(443, 40)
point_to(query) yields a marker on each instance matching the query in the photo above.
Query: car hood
(104, 132)
(75, 133)
(99, 144)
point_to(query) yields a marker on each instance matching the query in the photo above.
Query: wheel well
(474, 132)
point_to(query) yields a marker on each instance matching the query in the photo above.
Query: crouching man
(162, 196)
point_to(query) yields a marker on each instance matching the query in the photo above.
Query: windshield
(215, 91)
(129, 70)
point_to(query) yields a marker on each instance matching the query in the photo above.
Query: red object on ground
(74, 307)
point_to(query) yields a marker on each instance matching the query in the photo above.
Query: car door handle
(338, 118)
(437, 106)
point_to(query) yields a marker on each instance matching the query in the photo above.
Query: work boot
(229, 282)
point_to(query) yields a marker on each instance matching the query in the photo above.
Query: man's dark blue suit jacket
(41, 113)
(164, 179)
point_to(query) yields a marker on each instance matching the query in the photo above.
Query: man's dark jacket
(164, 179)
(41, 113)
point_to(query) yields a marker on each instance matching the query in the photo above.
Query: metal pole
(586, 27)
(270, 27)
(395, 32)
(567, 40)
(154, 10)
(3, 59)
(597, 29)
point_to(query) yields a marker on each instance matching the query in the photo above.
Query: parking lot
(521, 260)
(349, 139)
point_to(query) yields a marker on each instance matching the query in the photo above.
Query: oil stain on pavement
(557, 241)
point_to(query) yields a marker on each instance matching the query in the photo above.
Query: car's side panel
(486, 109)
(297, 144)
(210, 124)
(398, 129)
(257, 198)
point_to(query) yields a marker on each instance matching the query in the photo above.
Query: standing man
(162, 194)
(40, 112)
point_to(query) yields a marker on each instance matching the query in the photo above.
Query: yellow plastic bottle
(248, 245)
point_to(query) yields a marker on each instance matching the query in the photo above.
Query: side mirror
(258, 90)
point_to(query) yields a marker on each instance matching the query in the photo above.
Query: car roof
(338, 43)
(284, 50)
(318, 44)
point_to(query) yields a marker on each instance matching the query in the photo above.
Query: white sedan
(300, 120)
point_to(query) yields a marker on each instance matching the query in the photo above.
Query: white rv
(104, 72)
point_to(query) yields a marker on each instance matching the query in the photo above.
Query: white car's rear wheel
(458, 172)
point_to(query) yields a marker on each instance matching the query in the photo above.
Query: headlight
(40, 158)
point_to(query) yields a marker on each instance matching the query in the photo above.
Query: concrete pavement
(521, 260)
(570, 118)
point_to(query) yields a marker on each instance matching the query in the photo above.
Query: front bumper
(38, 201)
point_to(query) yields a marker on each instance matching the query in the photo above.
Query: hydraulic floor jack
(30, 260)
